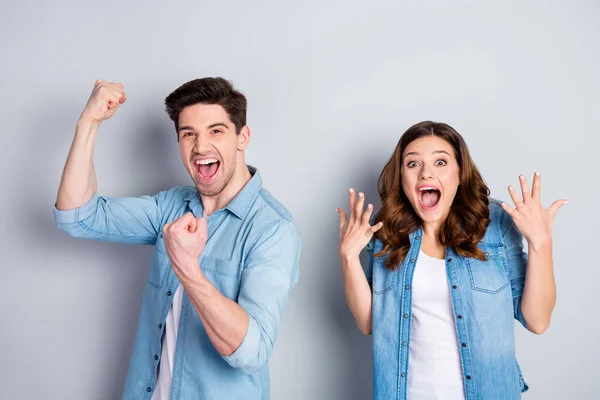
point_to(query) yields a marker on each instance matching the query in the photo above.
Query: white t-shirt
(167, 354)
(434, 366)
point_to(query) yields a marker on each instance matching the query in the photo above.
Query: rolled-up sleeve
(271, 270)
(123, 220)
(516, 259)
(369, 268)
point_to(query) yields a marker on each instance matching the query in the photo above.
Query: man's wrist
(85, 131)
(189, 272)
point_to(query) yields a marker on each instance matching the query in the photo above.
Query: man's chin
(213, 189)
(207, 190)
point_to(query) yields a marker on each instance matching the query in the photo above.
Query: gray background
(331, 86)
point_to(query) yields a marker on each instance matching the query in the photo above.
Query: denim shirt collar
(415, 236)
(240, 205)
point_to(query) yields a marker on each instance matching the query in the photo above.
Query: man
(226, 256)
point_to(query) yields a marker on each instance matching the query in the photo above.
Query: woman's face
(430, 177)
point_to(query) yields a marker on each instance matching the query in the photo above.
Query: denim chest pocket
(490, 276)
(224, 274)
(160, 264)
(384, 279)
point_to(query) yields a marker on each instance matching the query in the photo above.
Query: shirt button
(404, 344)
(155, 357)
(403, 374)
(449, 260)
(169, 293)
(412, 260)
(460, 317)
(486, 254)
(159, 326)
(417, 237)
(405, 315)
(407, 287)
(469, 377)
(148, 389)
(464, 345)
(454, 286)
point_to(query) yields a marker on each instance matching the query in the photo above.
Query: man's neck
(239, 179)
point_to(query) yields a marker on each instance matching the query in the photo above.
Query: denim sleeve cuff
(76, 214)
(369, 247)
(518, 312)
(249, 347)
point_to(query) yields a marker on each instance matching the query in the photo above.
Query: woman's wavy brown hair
(468, 218)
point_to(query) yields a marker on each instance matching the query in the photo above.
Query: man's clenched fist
(185, 239)
(104, 101)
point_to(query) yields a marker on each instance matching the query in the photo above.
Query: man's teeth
(207, 161)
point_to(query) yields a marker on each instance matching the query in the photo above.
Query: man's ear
(243, 138)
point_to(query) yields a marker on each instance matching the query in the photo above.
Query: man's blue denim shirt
(251, 256)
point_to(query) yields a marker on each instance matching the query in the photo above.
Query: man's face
(210, 146)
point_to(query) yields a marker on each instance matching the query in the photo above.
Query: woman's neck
(431, 240)
(432, 229)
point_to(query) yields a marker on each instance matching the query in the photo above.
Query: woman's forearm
(539, 294)
(358, 293)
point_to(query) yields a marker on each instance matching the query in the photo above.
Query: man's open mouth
(429, 196)
(207, 168)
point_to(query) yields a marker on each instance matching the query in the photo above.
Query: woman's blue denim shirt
(486, 298)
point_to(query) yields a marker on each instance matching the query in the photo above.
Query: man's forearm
(78, 183)
(226, 323)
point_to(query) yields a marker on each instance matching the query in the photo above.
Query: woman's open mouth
(207, 169)
(429, 197)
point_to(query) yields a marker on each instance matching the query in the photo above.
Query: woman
(446, 273)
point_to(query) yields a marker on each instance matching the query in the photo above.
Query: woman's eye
(412, 164)
(440, 162)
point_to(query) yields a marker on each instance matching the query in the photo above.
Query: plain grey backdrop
(331, 87)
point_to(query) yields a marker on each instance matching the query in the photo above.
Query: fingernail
(360, 194)
(351, 190)
(370, 206)
(511, 188)
(522, 177)
(537, 174)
